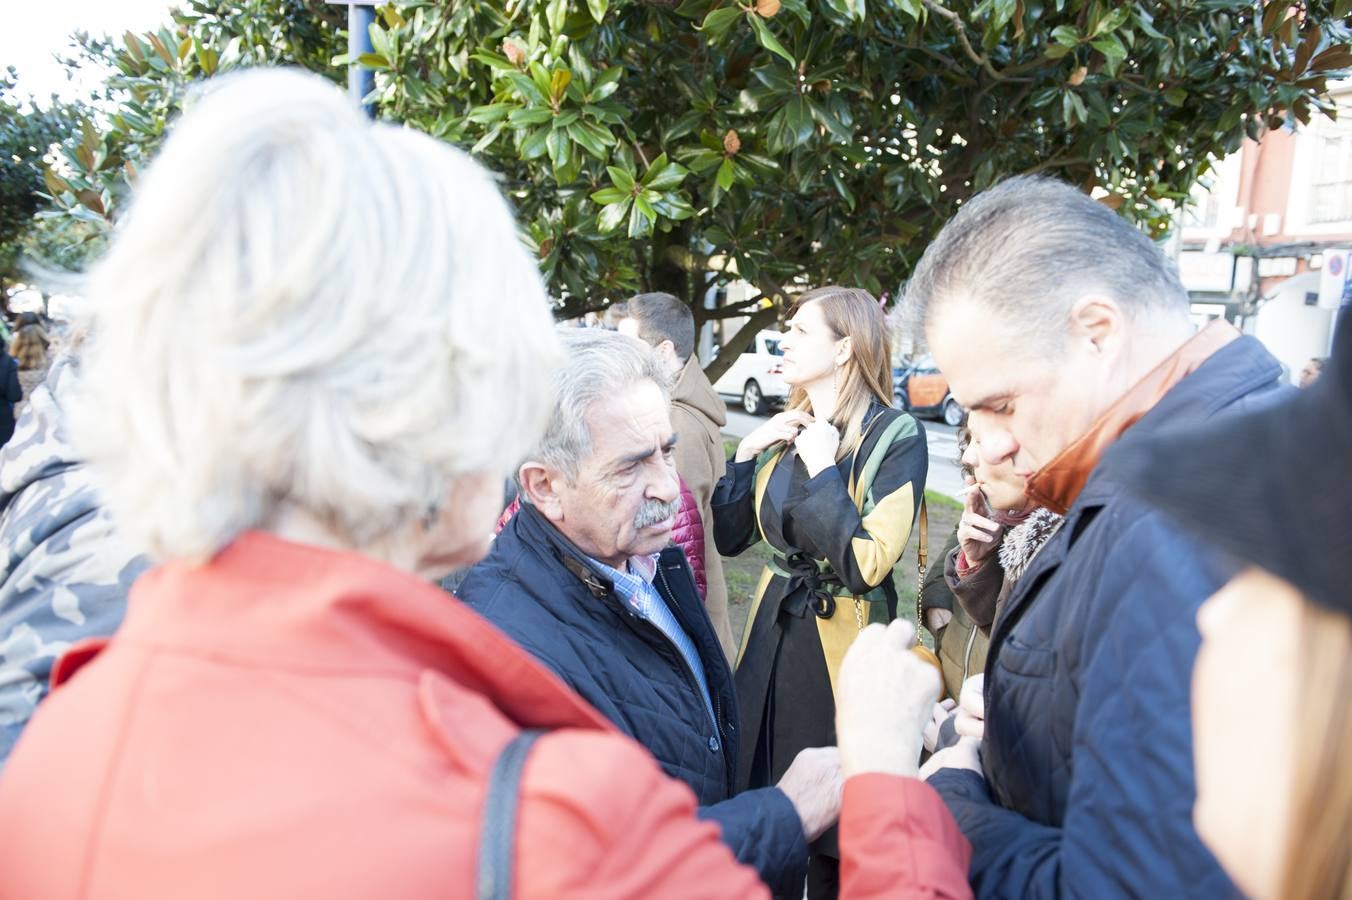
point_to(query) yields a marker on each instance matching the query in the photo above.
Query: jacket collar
(1056, 485)
(693, 389)
(536, 529)
(267, 602)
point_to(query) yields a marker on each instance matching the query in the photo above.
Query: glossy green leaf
(725, 175)
(768, 40)
(611, 216)
(718, 21)
(621, 178)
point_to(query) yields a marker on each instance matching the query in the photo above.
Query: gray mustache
(654, 511)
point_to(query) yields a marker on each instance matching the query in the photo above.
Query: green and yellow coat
(836, 538)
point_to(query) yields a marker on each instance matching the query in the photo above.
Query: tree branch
(960, 28)
(740, 308)
(734, 346)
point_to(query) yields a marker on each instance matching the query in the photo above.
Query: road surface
(944, 476)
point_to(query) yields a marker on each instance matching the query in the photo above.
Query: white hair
(599, 364)
(304, 310)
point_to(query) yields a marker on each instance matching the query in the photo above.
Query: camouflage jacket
(64, 574)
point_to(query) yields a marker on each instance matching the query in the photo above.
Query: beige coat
(698, 414)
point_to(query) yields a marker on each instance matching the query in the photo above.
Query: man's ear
(666, 351)
(1099, 324)
(539, 484)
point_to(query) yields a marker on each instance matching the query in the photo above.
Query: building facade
(1265, 242)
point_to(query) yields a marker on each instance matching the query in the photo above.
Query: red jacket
(289, 721)
(687, 533)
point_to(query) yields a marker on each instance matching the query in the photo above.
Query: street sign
(1333, 280)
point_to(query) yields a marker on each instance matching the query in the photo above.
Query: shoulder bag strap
(921, 563)
(497, 830)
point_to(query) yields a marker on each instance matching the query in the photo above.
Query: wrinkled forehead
(635, 419)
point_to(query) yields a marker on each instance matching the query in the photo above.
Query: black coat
(1088, 746)
(11, 392)
(547, 596)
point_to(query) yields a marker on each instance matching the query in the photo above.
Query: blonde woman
(833, 484)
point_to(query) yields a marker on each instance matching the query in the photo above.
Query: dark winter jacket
(547, 595)
(10, 393)
(687, 533)
(1089, 782)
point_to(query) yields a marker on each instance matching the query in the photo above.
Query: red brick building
(1253, 243)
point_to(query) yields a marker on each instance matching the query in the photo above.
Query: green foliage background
(678, 144)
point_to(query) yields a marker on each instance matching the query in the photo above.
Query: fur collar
(1022, 542)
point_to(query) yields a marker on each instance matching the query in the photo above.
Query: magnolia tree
(678, 145)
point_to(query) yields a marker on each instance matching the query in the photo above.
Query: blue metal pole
(360, 79)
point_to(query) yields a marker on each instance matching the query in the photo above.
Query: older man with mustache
(583, 578)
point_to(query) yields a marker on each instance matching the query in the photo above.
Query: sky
(33, 31)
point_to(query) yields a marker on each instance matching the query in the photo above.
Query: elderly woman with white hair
(318, 348)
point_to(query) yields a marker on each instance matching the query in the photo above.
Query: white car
(756, 377)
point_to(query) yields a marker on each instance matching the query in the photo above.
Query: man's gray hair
(662, 317)
(1032, 246)
(598, 364)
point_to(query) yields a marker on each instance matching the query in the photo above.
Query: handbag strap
(497, 830)
(921, 564)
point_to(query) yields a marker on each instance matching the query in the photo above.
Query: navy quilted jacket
(1088, 748)
(543, 592)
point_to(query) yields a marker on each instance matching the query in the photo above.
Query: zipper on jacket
(967, 654)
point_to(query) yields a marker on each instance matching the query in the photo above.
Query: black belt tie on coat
(819, 582)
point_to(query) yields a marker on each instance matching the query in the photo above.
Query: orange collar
(1057, 484)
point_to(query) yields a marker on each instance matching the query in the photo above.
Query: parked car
(756, 378)
(922, 390)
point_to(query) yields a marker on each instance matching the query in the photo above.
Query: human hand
(965, 754)
(978, 536)
(780, 428)
(937, 619)
(885, 696)
(938, 716)
(971, 720)
(814, 784)
(817, 446)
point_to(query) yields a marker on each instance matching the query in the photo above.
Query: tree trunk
(666, 273)
(738, 343)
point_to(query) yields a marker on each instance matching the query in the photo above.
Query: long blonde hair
(867, 375)
(1318, 862)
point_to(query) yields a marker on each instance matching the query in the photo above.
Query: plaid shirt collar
(634, 582)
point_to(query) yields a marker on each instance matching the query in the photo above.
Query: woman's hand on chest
(817, 445)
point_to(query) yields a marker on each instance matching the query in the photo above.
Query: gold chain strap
(921, 560)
